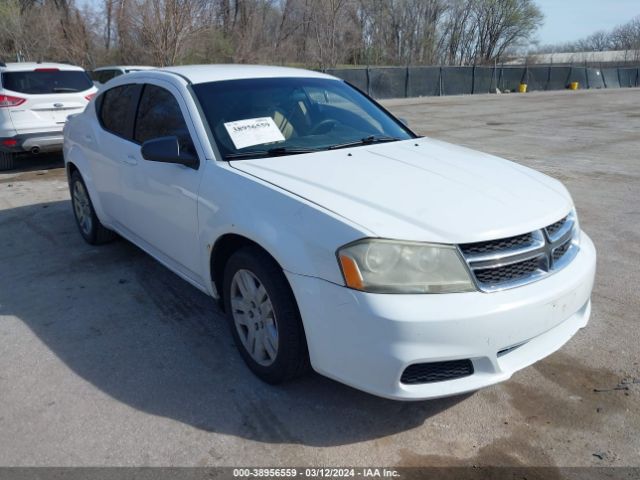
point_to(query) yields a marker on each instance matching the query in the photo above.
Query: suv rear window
(46, 81)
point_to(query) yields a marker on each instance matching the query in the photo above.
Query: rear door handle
(130, 160)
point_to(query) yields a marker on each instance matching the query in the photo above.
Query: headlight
(388, 266)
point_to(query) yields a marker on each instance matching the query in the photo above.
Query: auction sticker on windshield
(253, 131)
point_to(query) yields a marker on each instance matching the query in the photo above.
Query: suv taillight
(9, 101)
(90, 96)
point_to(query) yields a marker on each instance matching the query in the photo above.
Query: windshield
(279, 116)
(47, 81)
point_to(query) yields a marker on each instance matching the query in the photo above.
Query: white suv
(334, 236)
(35, 101)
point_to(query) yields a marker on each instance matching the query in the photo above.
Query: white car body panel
(162, 198)
(298, 234)
(367, 340)
(422, 190)
(302, 208)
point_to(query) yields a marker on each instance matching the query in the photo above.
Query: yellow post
(522, 88)
(574, 85)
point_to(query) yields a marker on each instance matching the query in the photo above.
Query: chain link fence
(401, 82)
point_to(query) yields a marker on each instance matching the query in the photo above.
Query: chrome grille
(521, 259)
(508, 273)
(511, 243)
(560, 251)
(555, 227)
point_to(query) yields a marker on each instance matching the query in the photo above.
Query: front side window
(159, 115)
(116, 109)
(47, 81)
(256, 117)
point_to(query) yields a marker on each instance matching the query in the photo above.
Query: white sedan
(334, 236)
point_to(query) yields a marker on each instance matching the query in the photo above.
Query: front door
(162, 198)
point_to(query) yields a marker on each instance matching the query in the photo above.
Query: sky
(569, 20)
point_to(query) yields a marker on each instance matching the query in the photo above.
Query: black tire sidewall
(7, 161)
(292, 355)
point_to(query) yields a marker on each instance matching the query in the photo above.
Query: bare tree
(320, 33)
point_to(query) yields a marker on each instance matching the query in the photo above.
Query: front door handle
(130, 160)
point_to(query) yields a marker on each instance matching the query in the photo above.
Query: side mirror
(167, 150)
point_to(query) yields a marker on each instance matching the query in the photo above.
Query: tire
(290, 357)
(7, 161)
(87, 221)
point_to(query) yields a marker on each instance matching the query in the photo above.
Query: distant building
(616, 57)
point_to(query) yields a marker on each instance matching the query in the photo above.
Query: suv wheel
(7, 161)
(90, 227)
(264, 317)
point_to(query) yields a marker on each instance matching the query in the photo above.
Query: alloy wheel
(82, 208)
(254, 317)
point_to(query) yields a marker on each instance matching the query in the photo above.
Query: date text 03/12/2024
(315, 472)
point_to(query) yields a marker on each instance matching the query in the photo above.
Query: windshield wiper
(272, 152)
(364, 141)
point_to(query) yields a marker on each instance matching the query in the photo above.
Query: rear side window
(159, 115)
(45, 81)
(116, 109)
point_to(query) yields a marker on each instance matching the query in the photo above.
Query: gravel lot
(107, 358)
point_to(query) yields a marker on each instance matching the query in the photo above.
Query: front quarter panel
(301, 236)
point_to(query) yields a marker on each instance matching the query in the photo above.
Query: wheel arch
(71, 167)
(223, 248)
(75, 161)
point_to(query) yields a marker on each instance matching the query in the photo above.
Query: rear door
(50, 96)
(111, 148)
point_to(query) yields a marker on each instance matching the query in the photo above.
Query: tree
(318, 33)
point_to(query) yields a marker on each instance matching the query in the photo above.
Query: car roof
(220, 72)
(125, 67)
(30, 66)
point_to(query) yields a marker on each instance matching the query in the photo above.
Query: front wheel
(87, 221)
(264, 317)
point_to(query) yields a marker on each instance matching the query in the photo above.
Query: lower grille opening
(436, 371)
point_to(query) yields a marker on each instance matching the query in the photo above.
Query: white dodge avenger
(333, 236)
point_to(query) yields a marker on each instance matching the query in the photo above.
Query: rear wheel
(264, 317)
(7, 161)
(90, 227)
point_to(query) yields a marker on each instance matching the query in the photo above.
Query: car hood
(421, 189)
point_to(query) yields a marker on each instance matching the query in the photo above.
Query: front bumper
(27, 142)
(367, 340)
